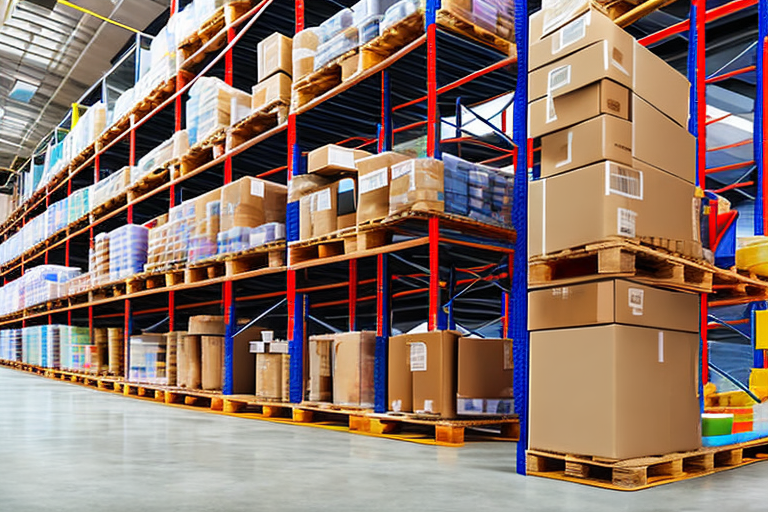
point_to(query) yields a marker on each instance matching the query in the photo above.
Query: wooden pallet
(201, 153)
(455, 22)
(255, 124)
(318, 82)
(107, 291)
(271, 255)
(733, 285)
(333, 244)
(211, 29)
(108, 207)
(620, 258)
(150, 181)
(642, 473)
(391, 40)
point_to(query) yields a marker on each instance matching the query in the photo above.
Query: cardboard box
(243, 362)
(612, 301)
(639, 391)
(346, 203)
(433, 369)
(399, 380)
(485, 376)
(213, 362)
(349, 66)
(323, 208)
(613, 200)
(353, 365)
(588, 29)
(547, 115)
(604, 59)
(305, 217)
(274, 56)
(603, 137)
(333, 159)
(188, 362)
(304, 49)
(250, 202)
(417, 184)
(661, 85)
(553, 15)
(373, 175)
(275, 89)
(660, 142)
(270, 376)
(320, 368)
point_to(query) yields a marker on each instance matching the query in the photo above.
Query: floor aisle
(68, 448)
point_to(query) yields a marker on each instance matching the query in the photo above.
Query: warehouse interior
(381, 241)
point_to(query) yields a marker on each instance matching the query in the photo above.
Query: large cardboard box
(485, 376)
(271, 375)
(660, 84)
(417, 184)
(613, 200)
(188, 362)
(353, 365)
(243, 361)
(333, 159)
(588, 29)
(638, 389)
(433, 369)
(274, 56)
(250, 202)
(323, 208)
(213, 362)
(553, 113)
(373, 175)
(320, 368)
(399, 380)
(553, 15)
(275, 89)
(604, 59)
(612, 301)
(660, 142)
(604, 137)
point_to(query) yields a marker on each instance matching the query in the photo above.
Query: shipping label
(321, 200)
(341, 157)
(627, 221)
(257, 188)
(418, 356)
(373, 181)
(624, 181)
(571, 33)
(635, 297)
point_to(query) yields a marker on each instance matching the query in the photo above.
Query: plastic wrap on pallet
(417, 184)
(78, 205)
(75, 343)
(347, 40)
(155, 159)
(58, 216)
(369, 29)
(336, 24)
(157, 73)
(79, 284)
(44, 283)
(99, 260)
(10, 344)
(305, 45)
(148, 359)
(364, 9)
(127, 251)
(208, 107)
(267, 233)
(123, 105)
(40, 345)
(203, 240)
(480, 192)
(400, 11)
(495, 16)
(110, 187)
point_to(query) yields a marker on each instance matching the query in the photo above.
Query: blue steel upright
(759, 126)
(519, 320)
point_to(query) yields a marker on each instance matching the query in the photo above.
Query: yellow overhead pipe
(99, 16)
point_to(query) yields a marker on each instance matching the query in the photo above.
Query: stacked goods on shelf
(100, 341)
(40, 345)
(611, 117)
(495, 16)
(442, 373)
(99, 260)
(37, 285)
(127, 251)
(10, 344)
(79, 205)
(205, 230)
(209, 108)
(170, 150)
(341, 368)
(79, 284)
(147, 359)
(188, 361)
(272, 368)
(252, 214)
(115, 352)
(210, 330)
(110, 187)
(172, 344)
(303, 52)
(274, 70)
(75, 346)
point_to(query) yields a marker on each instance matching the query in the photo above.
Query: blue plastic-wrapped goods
(127, 251)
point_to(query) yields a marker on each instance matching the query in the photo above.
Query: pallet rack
(440, 269)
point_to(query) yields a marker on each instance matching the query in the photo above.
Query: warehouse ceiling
(48, 59)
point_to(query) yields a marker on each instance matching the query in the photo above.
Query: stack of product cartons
(274, 70)
(75, 343)
(147, 358)
(99, 260)
(160, 156)
(441, 373)
(341, 368)
(209, 108)
(110, 187)
(79, 205)
(616, 162)
(127, 251)
(202, 240)
(272, 370)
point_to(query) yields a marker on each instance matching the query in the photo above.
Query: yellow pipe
(87, 11)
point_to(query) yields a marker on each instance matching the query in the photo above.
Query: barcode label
(257, 188)
(636, 296)
(322, 200)
(559, 77)
(373, 181)
(627, 221)
(570, 34)
(624, 181)
(342, 157)
(418, 356)
(403, 168)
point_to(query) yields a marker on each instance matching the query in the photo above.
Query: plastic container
(364, 9)
(399, 12)
(334, 48)
(337, 23)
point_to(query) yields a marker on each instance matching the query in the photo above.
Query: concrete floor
(68, 448)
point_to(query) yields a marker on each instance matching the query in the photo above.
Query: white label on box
(568, 151)
(627, 222)
(342, 157)
(661, 346)
(257, 188)
(403, 168)
(321, 200)
(623, 181)
(696, 212)
(418, 356)
(562, 293)
(397, 405)
(559, 77)
(636, 296)
(551, 114)
(570, 33)
(373, 181)
(557, 11)
(429, 406)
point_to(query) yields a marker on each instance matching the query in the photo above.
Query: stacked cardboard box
(341, 368)
(275, 67)
(272, 371)
(616, 161)
(209, 108)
